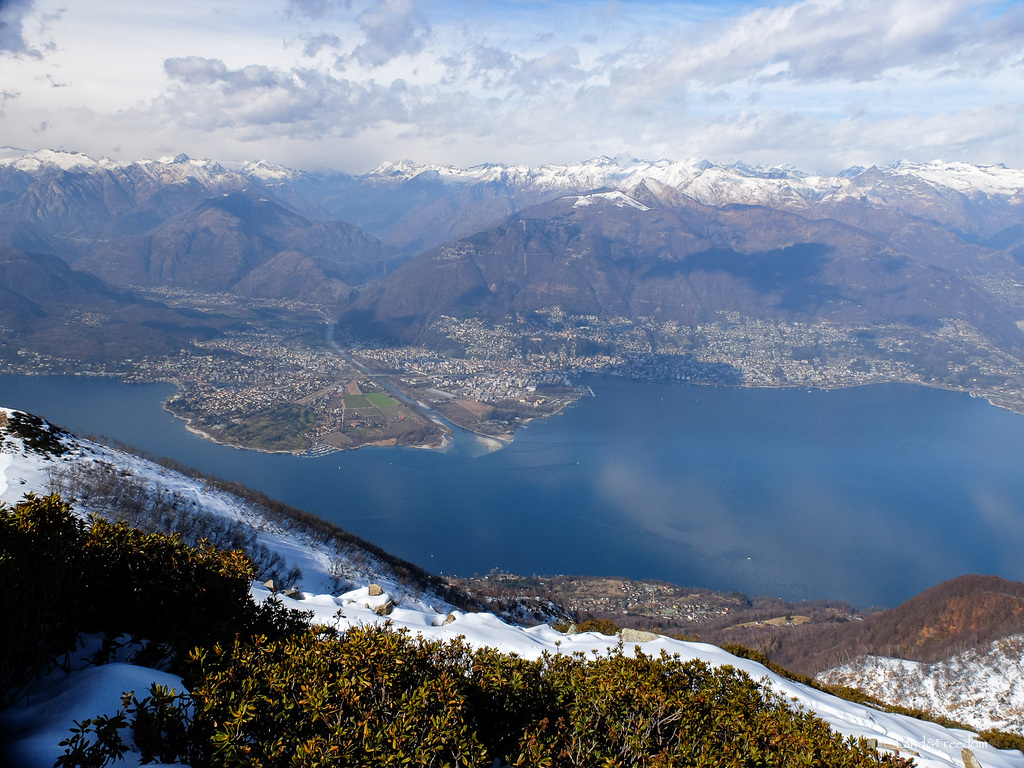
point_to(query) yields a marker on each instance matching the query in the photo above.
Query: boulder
(628, 635)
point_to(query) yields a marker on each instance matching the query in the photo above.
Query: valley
(487, 295)
(278, 375)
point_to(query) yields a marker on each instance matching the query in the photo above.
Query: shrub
(603, 626)
(63, 577)
(371, 696)
(659, 711)
(268, 691)
(40, 569)
(1002, 739)
(380, 697)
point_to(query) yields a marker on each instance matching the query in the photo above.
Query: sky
(820, 85)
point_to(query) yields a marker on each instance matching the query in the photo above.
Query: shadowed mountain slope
(611, 255)
(234, 242)
(49, 308)
(965, 612)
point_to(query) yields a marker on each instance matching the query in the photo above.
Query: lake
(868, 495)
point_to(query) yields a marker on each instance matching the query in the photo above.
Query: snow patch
(982, 687)
(5, 463)
(935, 746)
(616, 198)
(36, 724)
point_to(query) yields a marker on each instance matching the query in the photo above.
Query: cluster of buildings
(245, 374)
(656, 601)
(441, 375)
(509, 363)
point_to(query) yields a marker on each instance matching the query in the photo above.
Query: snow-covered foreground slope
(982, 687)
(933, 744)
(44, 717)
(322, 566)
(92, 691)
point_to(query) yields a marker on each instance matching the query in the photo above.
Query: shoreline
(494, 443)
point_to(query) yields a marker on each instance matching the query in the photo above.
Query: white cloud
(845, 40)
(313, 44)
(815, 83)
(392, 28)
(554, 68)
(12, 34)
(194, 70)
(300, 103)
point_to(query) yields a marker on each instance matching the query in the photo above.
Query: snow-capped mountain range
(715, 183)
(708, 182)
(374, 595)
(67, 202)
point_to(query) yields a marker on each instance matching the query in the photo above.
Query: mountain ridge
(219, 243)
(985, 186)
(966, 612)
(679, 261)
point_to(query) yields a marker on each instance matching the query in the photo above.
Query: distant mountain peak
(54, 158)
(268, 171)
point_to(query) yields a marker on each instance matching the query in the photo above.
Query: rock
(636, 636)
(385, 609)
(375, 590)
(970, 761)
(448, 620)
(293, 593)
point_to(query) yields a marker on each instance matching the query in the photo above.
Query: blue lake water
(868, 495)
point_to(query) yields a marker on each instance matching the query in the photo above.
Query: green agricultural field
(357, 401)
(380, 400)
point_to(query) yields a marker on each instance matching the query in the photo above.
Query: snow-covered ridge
(965, 178)
(48, 158)
(713, 183)
(261, 169)
(710, 183)
(982, 687)
(373, 598)
(23, 470)
(170, 169)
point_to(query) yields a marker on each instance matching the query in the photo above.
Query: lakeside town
(300, 385)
